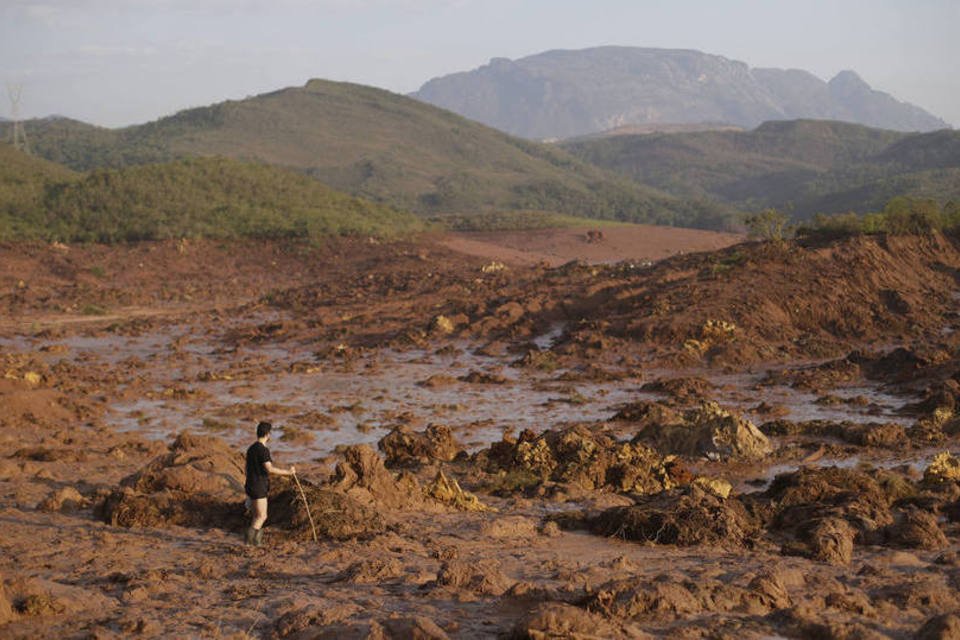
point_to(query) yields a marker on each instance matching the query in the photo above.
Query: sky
(121, 62)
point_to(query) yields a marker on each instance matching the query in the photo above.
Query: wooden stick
(307, 505)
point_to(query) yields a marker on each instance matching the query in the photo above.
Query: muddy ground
(758, 441)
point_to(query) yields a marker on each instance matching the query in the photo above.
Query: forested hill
(379, 145)
(803, 167)
(200, 197)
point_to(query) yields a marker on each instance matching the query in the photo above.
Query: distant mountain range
(803, 167)
(562, 94)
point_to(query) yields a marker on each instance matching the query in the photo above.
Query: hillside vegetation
(202, 197)
(381, 146)
(804, 167)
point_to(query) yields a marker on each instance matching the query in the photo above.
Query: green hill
(208, 197)
(803, 166)
(379, 145)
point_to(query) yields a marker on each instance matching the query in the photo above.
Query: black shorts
(257, 492)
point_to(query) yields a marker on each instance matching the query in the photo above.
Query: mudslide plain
(726, 440)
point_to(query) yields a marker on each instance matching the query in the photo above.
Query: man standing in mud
(257, 486)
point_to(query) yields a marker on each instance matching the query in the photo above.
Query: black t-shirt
(258, 480)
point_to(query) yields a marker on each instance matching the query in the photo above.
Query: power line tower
(18, 134)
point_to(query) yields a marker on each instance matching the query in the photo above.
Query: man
(259, 468)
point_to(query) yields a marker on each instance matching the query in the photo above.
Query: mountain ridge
(565, 93)
(379, 145)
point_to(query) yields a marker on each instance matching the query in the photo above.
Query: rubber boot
(251, 536)
(258, 537)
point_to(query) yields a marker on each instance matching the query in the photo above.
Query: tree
(768, 225)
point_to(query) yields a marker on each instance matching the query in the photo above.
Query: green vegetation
(203, 197)
(769, 224)
(901, 216)
(802, 167)
(380, 146)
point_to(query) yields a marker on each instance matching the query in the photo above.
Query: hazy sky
(118, 62)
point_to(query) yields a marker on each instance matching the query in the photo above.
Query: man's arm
(279, 472)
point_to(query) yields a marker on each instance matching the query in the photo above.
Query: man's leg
(259, 518)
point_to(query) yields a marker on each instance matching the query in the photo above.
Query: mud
(753, 442)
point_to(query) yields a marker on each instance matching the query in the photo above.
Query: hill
(378, 145)
(805, 167)
(562, 94)
(202, 197)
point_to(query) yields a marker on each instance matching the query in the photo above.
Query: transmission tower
(18, 135)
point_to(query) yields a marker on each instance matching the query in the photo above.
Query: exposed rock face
(561, 94)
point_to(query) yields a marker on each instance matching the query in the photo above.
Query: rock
(709, 431)
(944, 468)
(405, 447)
(64, 499)
(916, 529)
(684, 518)
(942, 627)
(559, 620)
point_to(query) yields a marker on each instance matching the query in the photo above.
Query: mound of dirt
(198, 483)
(584, 457)
(682, 389)
(916, 529)
(559, 620)
(482, 578)
(708, 431)
(943, 469)
(195, 465)
(824, 511)
(831, 541)
(363, 476)
(942, 627)
(685, 518)
(405, 447)
(335, 515)
(63, 499)
(6, 604)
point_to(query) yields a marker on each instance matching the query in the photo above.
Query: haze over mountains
(563, 93)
